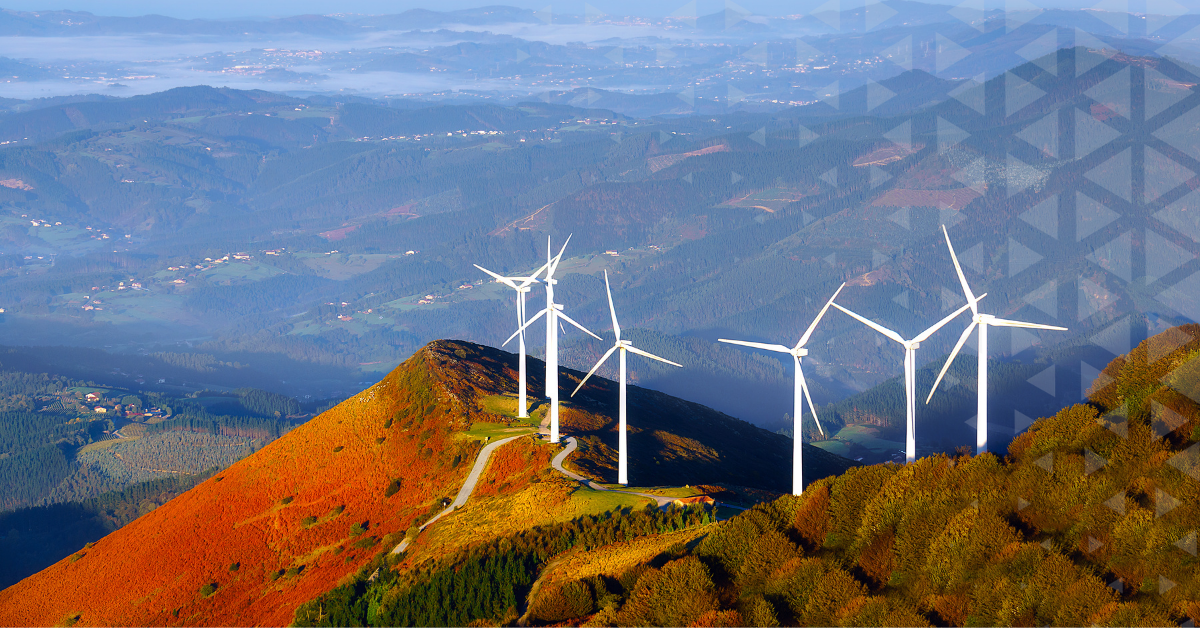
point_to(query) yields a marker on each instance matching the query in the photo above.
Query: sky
(224, 9)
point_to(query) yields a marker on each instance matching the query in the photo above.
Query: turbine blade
(757, 345)
(525, 326)
(807, 334)
(962, 279)
(950, 360)
(1001, 322)
(953, 315)
(558, 258)
(651, 355)
(873, 325)
(612, 310)
(597, 365)
(504, 280)
(532, 278)
(808, 397)
(581, 327)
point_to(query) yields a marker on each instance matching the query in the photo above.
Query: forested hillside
(1090, 520)
(65, 440)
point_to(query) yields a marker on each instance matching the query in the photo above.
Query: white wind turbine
(553, 312)
(982, 321)
(522, 289)
(624, 346)
(801, 390)
(910, 369)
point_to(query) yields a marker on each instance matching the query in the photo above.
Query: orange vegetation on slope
(513, 467)
(256, 513)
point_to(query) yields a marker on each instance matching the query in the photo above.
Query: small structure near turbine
(801, 390)
(553, 313)
(910, 369)
(982, 321)
(521, 285)
(624, 346)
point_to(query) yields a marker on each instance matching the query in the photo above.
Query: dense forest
(486, 583)
(55, 448)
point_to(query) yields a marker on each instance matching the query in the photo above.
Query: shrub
(767, 553)
(292, 572)
(716, 619)
(358, 528)
(208, 589)
(833, 593)
(876, 559)
(969, 540)
(757, 611)
(287, 500)
(559, 602)
(275, 575)
(338, 448)
(365, 542)
(812, 518)
(337, 511)
(308, 521)
(392, 488)
(733, 541)
(678, 595)
(235, 566)
(379, 440)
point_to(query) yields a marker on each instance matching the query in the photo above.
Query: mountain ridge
(269, 532)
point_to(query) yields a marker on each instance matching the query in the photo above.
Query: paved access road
(481, 463)
(467, 488)
(572, 444)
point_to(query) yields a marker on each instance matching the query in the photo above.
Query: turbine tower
(910, 369)
(553, 312)
(522, 289)
(624, 346)
(801, 389)
(982, 321)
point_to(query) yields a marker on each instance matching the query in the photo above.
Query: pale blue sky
(262, 8)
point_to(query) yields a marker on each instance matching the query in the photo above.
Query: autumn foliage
(336, 471)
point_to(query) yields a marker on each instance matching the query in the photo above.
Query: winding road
(481, 463)
(467, 488)
(572, 444)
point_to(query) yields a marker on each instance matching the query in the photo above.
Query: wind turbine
(624, 346)
(801, 390)
(910, 369)
(553, 312)
(522, 289)
(982, 321)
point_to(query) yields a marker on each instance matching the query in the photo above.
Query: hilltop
(1090, 520)
(289, 522)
